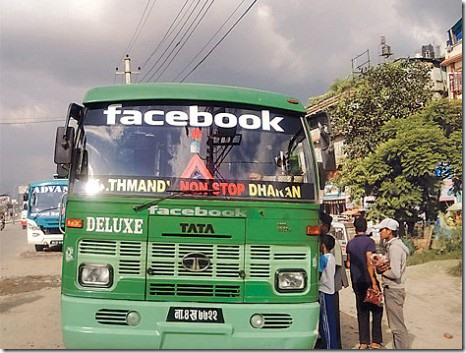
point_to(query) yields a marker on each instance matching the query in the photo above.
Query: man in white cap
(393, 281)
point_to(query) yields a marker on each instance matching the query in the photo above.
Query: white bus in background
(343, 232)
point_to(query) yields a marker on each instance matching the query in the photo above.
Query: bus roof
(192, 91)
(49, 182)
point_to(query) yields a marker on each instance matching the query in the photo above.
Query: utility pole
(128, 71)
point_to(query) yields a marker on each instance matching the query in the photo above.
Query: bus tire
(39, 247)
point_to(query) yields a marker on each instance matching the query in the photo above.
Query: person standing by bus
(341, 280)
(393, 281)
(359, 251)
(327, 322)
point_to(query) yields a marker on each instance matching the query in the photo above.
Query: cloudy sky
(52, 51)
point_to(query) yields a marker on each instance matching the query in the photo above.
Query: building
(453, 62)
(428, 51)
(453, 65)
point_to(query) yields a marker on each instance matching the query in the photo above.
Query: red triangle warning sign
(196, 169)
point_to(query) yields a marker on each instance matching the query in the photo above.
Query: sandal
(376, 345)
(363, 346)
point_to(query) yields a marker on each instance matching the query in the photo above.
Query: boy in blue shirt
(327, 324)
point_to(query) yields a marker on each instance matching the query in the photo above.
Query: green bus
(191, 220)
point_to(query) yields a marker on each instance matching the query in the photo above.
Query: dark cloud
(52, 51)
(421, 12)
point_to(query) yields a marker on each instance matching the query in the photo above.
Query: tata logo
(197, 228)
(195, 118)
(195, 262)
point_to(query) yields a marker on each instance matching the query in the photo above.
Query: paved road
(30, 301)
(29, 293)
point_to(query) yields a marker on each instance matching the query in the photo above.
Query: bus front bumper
(81, 330)
(37, 237)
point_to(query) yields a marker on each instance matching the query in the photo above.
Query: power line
(174, 38)
(134, 34)
(210, 40)
(165, 36)
(32, 122)
(182, 36)
(142, 26)
(139, 27)
(221, 39)
(189, 36)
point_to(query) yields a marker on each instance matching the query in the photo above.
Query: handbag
(374, 297)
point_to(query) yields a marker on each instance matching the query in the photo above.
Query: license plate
(207, 315)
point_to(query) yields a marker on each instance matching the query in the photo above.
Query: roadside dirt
(31, 320)
(30, 316)
(433, 309)
(15, 285)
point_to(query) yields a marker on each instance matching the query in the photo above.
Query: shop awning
(451, 60)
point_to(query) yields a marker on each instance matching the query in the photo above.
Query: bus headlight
(290, 280)
(95, 275)
(32, 225)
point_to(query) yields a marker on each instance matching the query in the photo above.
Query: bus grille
(166, 260)
(261, 256)
(277, 321)
(194, 290)
(97, 247)
(112, 317)
(129, 253)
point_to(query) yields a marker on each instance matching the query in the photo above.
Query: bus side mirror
(25, 196)
(62, 171)
(327, 148)
(64, 145)
(322, 175)
(321, 132)
(63, 149)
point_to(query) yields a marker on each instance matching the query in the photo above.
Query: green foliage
(450, 247)
(400, 171)
(395, 89)
(339, 86)
(452, 242)
(456, 159)
(353, 178)
(395, 136)
(409, 244)
(430, 255)
(448, 114)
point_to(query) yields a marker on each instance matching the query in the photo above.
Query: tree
(456, 159)
(400, 172)
(449, 115)
(393, 90)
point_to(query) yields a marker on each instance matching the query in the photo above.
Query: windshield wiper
(45, 210)
(175, 194)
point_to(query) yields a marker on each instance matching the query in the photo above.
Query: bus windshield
(43, 202)
(220, 151)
